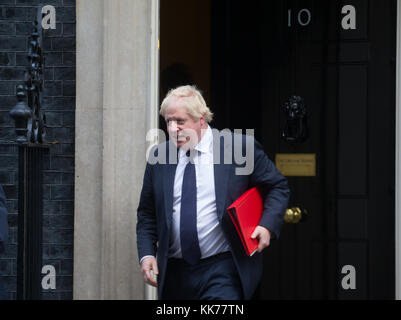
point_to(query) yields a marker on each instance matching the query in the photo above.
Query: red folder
(245, 213)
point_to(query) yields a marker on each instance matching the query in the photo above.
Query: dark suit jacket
(156, 203)
(3, 221)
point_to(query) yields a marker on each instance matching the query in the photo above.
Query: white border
(398, 161)
(153, 119)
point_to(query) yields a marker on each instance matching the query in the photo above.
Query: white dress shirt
(210, 234)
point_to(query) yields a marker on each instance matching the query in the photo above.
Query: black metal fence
(30, 124)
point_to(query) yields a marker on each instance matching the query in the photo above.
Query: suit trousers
(213, 278)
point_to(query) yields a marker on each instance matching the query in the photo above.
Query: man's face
(183, 130)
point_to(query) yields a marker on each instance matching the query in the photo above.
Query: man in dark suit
(3, 232)
(189, 182)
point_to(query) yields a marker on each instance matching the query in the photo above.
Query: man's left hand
(263, 235)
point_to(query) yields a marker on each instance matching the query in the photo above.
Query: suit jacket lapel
(221, 171)
(168, 182)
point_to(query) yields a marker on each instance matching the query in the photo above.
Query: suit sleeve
(146, 228)
(274, 187)
(3, 221)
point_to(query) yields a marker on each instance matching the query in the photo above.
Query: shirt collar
(205, 144)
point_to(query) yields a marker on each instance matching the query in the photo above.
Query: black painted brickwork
(59, 105)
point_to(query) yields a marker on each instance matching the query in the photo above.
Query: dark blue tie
(188, 230)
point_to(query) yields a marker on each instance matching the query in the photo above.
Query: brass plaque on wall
(296, 164)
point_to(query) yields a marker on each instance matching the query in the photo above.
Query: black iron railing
(30, 124)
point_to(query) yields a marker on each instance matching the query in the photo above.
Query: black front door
(339, 59)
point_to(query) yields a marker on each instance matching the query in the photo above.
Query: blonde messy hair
(194, 102)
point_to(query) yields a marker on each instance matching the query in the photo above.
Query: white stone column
(115, 108)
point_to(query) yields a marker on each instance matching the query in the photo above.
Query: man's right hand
(149, 264)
